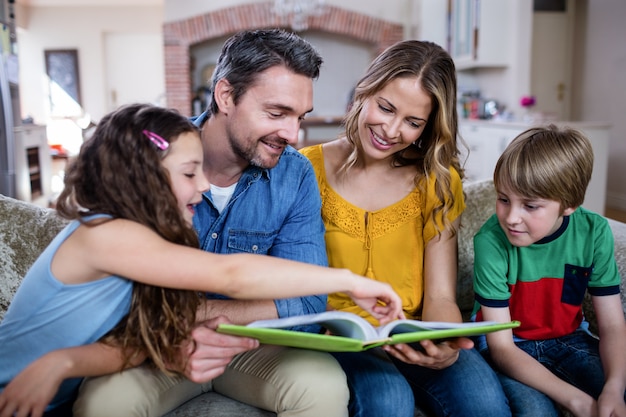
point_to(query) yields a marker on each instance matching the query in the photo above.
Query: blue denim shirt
(274, 212)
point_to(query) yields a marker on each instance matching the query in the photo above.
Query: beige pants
(289, 382)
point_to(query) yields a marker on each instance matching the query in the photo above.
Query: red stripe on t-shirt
(538, 307)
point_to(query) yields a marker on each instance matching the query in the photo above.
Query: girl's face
(527, 221)
(184, 163)
(394, 117)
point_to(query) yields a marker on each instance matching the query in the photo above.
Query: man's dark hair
(246, 54)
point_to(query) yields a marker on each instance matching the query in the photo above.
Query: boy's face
(527, 221)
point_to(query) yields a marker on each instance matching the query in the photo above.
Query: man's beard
(251, 153)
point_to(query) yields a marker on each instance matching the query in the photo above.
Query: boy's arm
(517, 364)
(32, 389)
(612, 332)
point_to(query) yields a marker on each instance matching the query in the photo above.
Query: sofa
(25, 230)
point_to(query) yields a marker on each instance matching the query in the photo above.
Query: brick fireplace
(180, 36)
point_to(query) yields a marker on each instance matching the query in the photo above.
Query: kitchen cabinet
(486, 144)
(486, 140)
(478, 32)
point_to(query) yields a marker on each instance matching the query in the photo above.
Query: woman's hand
(429, 354)
(377, 298)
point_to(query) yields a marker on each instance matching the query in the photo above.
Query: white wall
(602, 86)
(600, 67)
(84, 29)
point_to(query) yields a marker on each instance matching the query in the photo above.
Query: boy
(534, 260)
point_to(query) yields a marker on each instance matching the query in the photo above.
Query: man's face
(267, 117)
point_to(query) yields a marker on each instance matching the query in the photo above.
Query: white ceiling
(65, 3)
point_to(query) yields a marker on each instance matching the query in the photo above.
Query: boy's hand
(611, 404)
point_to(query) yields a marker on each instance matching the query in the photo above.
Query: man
(263, 199)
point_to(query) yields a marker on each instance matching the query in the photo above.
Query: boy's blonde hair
(547, 162)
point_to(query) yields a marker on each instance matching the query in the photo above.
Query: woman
(392, 200)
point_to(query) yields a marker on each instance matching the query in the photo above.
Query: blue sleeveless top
(46, 315)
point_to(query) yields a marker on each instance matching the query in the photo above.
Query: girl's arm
(33, 388)
(612, 332)
(131, 250)
(30, 392)
(519, 365)
(440, 275)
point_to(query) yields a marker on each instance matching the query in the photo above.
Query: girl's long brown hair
(436, 149)
(119, 172)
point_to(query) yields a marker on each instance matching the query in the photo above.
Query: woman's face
(394, 117)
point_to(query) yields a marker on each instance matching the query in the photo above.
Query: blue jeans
(468, 388)
(574, 358)
(376, 387)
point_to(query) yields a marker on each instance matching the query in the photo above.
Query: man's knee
(313, 376)
(137, 392)
(289, 382)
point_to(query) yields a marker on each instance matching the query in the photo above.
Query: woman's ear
(223, 95)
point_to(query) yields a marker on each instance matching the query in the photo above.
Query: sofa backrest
(25, 231)
(480, 202)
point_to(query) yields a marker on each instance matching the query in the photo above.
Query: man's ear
(569, 211)
(223, 95)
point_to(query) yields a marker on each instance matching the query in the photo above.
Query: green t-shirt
(543, 284)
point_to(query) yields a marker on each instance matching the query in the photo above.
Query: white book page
(338, 323)
(407, 326)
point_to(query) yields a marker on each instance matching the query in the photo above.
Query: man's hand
(210, 352)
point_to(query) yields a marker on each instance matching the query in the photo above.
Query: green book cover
(351, 333)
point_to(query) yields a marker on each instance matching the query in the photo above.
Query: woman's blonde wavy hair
(436, 149)
(119, 172)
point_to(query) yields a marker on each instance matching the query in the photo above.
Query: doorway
(551, 61)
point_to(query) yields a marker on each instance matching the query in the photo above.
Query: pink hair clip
(161, 143)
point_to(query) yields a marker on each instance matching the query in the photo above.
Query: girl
(126, 270)
(391, 201)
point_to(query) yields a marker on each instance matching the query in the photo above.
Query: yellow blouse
(387, 244)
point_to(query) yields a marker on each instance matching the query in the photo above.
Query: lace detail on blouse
(351, 219)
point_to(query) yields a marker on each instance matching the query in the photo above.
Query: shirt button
(214, 235)
(255, 248)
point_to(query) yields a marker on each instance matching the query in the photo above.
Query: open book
(352, 333)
